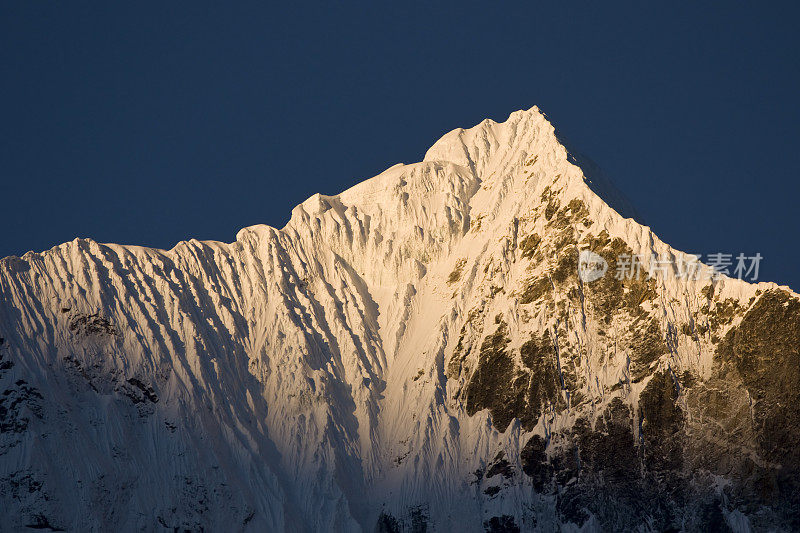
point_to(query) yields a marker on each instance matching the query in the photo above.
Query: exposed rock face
(418, 353)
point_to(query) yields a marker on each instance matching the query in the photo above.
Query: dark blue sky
(155, 122)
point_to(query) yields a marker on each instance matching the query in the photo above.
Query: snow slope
(383, 361)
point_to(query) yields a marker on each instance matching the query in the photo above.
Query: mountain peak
(419, 351)
(475, 147)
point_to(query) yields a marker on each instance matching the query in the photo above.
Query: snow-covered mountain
(417, 353)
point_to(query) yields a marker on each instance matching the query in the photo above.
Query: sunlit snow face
(591, 266)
